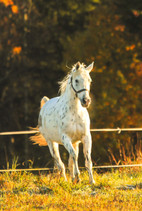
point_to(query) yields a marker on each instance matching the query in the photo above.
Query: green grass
(117, 190)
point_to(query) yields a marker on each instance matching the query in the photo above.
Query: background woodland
(38, 39)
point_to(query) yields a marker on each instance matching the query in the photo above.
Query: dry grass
(118, 190)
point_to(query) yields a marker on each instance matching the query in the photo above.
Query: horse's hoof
(76, 180)
(92, 182)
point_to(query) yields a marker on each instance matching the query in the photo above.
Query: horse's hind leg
(54, 150)
(71, 163)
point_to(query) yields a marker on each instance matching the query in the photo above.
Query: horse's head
(80, 82)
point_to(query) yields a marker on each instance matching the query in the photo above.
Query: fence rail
(18, 132)
(118, 130)
(51, 169)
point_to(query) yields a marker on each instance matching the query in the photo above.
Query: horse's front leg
(71, 163)
(66, 140)
(87, 147)
(54, 150)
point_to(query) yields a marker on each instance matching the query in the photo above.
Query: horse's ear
(90, 67)
(77, 65)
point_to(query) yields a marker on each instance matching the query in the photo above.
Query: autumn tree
(31, 53)
(113, 40)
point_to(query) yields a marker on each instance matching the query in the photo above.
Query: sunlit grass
(117, 190)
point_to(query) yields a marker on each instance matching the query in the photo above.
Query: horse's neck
(71, 99)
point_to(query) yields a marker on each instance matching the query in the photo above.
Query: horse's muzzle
(85, 102)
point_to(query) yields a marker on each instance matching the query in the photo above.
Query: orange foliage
(137, 65)
(14, 9)
(130, 48)
(107, 103)
(135, 13)
(17, 50)
(7, 2)
(120, 28)
(139, 92)
(139, 70)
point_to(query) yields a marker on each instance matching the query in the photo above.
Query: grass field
(117, 190)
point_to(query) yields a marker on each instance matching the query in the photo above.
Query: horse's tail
(43, 101)
(38, 137)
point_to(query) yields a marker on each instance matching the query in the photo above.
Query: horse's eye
(76, 81)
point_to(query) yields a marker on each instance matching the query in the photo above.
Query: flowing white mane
(63, 83)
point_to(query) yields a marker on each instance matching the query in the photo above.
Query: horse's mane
(63, 83)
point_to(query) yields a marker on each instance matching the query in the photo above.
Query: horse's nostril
(84, 100)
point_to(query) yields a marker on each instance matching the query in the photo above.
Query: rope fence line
(49, 169)
(118, 130)
(18, 132)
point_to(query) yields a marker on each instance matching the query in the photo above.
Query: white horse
(65, 120)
